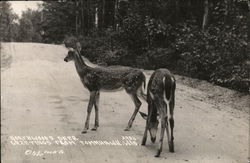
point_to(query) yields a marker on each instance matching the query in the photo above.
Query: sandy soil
(41, 95)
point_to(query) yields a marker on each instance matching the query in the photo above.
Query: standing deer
(161, 99)
(109, 79)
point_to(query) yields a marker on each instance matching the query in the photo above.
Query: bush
(220, 54)
(217, 55)
(94, 47)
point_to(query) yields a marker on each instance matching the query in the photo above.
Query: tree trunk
(81, 18)
(90, 16)
(76, 26)
(103, 12)
(205, 16)
(248, 2)
(100, 14)
(115, 15)
(177, 10)
(85, 17)
(96, 17)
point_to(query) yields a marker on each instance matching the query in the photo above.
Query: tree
(8, 28)
(30, 26)
(59, 19)
(26, 30)
(205, 17)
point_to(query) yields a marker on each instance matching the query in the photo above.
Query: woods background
(202, 39)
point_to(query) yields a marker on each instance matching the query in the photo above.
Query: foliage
(58, 20)
(30, 26)
(8, 28)
(219, 55)
(133, 35)
(26, 30)
(190, 37)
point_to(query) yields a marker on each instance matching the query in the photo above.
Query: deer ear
(71, 49)
(78, 46)
(158, 116)
(144, 116)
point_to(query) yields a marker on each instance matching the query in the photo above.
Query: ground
(41, 95)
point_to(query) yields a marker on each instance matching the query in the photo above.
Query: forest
(202, 39)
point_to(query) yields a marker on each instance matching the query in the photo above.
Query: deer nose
(65, 60)
(153, 140)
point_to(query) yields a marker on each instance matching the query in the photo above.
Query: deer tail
(169, 91)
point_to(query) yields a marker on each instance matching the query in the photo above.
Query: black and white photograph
(125, 81)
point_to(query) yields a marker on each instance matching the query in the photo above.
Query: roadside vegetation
(208, 40)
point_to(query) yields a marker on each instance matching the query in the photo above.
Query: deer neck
(81, 67)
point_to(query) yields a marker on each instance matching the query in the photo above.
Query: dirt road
(41, 95)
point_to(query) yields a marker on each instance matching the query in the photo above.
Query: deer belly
(111, 88)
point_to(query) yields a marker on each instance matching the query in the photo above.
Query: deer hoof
(158, 153)
(84, 131)
(171, 147)
(144, 141)
(127, 129)
(94, 128)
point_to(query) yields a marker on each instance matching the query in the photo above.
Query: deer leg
(168, 136)
(164, 124)
(144, 139)
(171, 121)
(150, 107)
(137, 103)
(162, 109)
(90, 106)
(96, 104)
(141, 94)
(171, 142)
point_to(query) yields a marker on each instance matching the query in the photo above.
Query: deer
(161, 101)
(113, 78)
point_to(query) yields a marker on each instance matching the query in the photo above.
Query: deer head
(152, 126)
